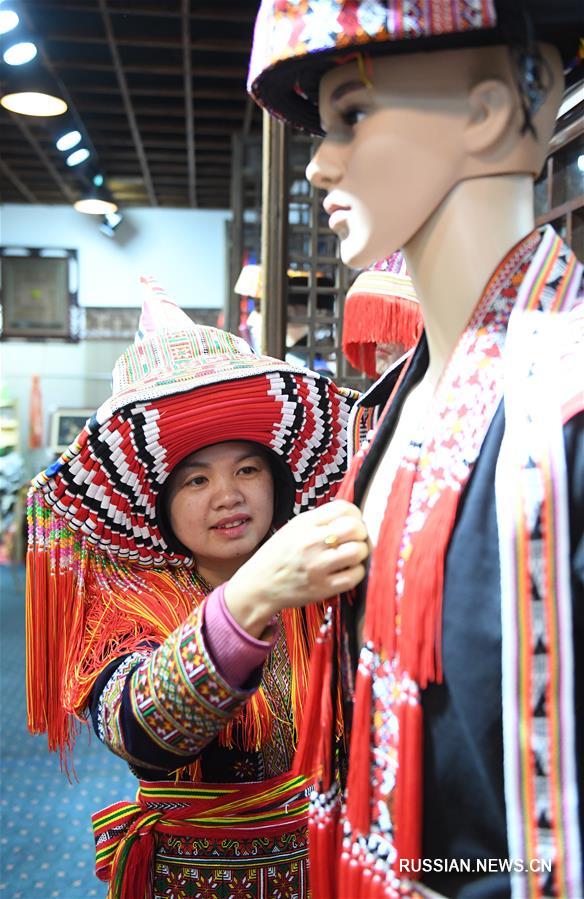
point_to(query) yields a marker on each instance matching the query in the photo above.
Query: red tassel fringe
(310, 750)
(369, 319)
(421, 641)
(359, 779)
(138, 872)
(408, 788)
(323, 847)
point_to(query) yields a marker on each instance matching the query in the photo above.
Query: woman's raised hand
(313, 557)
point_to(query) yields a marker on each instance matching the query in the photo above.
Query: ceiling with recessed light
(156, 88)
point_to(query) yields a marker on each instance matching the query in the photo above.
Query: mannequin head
(421, 124)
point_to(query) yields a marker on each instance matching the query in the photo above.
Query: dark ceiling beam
(206, 168)
(238, 14)
(104, 126)
(188, 101)
(164, 143)
(199, 93)
(221, 157)
(18, 184)
(210, 45)
(67, 192)
(221, 72)
(62, 88)
(175, 112)
(180, 183)
(136, 137)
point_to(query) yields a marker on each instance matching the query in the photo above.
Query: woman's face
(221, 505)
(390, 154)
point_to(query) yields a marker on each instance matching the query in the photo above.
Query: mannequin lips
(336, 210)
(338, 220)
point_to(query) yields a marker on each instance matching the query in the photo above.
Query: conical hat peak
(159, 311)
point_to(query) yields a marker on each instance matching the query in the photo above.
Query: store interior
(175, 177)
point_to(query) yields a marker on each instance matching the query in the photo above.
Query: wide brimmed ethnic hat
(381, 307)
(178, 388)
(296, 41)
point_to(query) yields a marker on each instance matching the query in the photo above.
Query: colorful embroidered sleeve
(159, 709)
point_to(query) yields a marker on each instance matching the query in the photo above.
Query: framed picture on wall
(38, 293)
(66, 424)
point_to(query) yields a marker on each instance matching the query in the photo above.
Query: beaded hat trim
(296, 41)
(293, 36)
(175, 392)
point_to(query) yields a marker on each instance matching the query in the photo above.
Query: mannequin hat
(297, 41)
(178, 388)
(381, 307)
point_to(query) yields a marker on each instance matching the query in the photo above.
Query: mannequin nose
(324, 169)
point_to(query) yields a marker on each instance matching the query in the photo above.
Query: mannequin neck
(451, 258)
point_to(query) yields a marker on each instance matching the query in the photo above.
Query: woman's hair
(284, 495)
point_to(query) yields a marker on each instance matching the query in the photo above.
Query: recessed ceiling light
(8, 20)
(77, 157)
(33, 103)
(69, 140)
(19, 54)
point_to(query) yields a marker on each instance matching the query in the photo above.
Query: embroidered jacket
(491, 769)
(165, 707)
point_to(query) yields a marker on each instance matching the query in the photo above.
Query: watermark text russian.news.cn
(474, 866)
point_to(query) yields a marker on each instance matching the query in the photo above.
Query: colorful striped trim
(541, 786)
(178, 696)
(383, 284)
(195, 810)
(289, 31)
(109, 727)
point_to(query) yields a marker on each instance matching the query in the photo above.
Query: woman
(202, 451)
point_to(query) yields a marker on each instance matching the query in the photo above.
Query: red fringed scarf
(402, 635)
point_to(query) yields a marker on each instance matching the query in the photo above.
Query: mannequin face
(392, 152)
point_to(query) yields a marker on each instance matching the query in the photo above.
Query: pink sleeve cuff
(233, 651)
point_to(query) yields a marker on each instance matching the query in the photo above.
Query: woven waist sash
(126, 833)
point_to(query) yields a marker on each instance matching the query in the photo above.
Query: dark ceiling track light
(111, 221)
(77, 157)
(68, 140)
(8, 20)
(96, 201)
(20, 53)
(30, 90)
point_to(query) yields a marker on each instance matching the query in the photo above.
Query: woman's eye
(352, 116)
(198, 480)
(248, 469)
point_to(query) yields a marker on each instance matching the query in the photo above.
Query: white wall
(183, 248)
(76, 375)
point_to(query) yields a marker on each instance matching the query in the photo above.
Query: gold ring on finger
(331, 540)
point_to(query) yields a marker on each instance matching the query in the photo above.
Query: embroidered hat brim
(174, 392)
(296, 43)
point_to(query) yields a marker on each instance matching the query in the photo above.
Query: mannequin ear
(491, 107)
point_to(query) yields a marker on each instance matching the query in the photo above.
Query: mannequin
(452, 120)
(436, 119)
